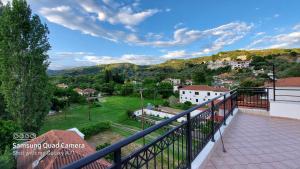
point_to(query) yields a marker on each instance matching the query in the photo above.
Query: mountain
(177, 64)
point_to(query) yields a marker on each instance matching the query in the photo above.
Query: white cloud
(177, 54)
(65, 16)
(126, 58)
(224, 34)
(296, 27)
(287, 40)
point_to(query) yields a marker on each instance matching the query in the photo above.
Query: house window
(185, 98)
(196, 93)
(216, 93)
(208, 93)
(196, 100)
(183, 92)
(203, 99)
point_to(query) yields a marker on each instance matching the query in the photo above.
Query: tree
(165, 89)
(107, 76)
(199, 77)
(23, 60)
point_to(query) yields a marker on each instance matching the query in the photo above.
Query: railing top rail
(114, 147)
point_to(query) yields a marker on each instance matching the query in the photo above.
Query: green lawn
(113, 109)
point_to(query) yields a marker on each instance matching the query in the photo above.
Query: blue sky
(90, 32)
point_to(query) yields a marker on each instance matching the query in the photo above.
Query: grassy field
(113, 109)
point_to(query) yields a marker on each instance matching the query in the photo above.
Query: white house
(240, 64)
(174, 82)
(197, 94)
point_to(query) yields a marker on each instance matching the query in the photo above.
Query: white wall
(157, 113)
(189, 95)
(285, 92)
(285, 109)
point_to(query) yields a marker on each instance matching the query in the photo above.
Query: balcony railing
(180, 145)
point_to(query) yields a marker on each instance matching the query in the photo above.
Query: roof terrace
(254, 136)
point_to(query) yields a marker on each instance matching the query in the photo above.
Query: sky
(91, 32)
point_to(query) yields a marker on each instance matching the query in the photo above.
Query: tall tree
(23, 64)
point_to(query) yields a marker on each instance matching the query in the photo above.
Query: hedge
(95, 128)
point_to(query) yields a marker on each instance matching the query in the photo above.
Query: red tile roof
(57, 157)
(286, 82)
(205, 88)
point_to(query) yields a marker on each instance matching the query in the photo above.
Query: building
(55, 149)
(62, 85)
(174, 82)
(197, 94)
(239, 64)
(216, 64)
(78, 90)
(188, 82)
(287, 89)
(89, 92)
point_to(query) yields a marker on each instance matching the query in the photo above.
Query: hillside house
(239, 64)
(89, 92)
(216, 64)
(197, 94)
(79, 91)
(174, 82)
(188, 82)
(55, 149)
(62, 85)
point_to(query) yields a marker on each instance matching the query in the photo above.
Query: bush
(186, 105)
(7, 128)
(93, 129)
(7, 160)
(130, 113)
(165, 103)
(110, 156)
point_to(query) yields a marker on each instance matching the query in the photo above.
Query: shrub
(7, 160)
(93, 129)
(110, 156)
(7, 128)
(165, 103)
(130, 113)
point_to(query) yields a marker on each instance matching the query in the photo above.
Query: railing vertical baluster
(117, 159)
(213, 121)
(224, 106)
(189, 141)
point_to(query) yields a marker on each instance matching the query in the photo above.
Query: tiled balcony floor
(259, 142)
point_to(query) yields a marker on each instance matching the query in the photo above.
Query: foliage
(165, 103)
(93, 129)
(172, 100)
(186, 105)
(110, 156)
(107, 88)
(165, 89)
(7, 128)
(7, 160)
(205, 128)
(130, 113)
(249, 82)
(23, 60)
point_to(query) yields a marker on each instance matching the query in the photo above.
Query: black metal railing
(180, 145)
(253, 98)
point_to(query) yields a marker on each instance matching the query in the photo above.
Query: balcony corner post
(213, 121)
(189, 141)
(117, 159)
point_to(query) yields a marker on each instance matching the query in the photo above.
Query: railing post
(117, 159)
(213, 121)
(268, 106)
(189, 141)
(224, 106)
(231, 104)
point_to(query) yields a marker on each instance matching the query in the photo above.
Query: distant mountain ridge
(176, 63)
